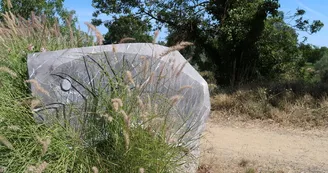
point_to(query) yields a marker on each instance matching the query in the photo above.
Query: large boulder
(66, 76)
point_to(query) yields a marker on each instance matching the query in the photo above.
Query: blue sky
(315, 10)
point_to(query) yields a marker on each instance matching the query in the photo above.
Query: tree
(230, 36)
(278, 49)
(312, 53)
(322, 67)
(127, 26)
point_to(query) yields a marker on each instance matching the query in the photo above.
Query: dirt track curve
(229, 148)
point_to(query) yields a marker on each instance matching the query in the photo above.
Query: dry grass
(286, 108)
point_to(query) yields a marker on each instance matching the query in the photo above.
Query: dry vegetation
(290, 105)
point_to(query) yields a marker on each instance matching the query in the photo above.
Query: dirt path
(237, 149)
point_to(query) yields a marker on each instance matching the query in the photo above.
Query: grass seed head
(7, 70)
(140, 103)
(123, 40)
(126, 118)
(95, 169)
(175, 99)
(37, 86)
(177, 47)
(127, 139)
(117, 104)
(5, 142)
(184, 87)
(45, 144)
(130, 78)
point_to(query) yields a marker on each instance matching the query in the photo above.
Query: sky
(315, 10)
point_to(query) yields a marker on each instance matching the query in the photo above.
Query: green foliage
(312, 53)
(304, 24)
(238, 40)
(322, 67)
(128, 26)
(278, 49)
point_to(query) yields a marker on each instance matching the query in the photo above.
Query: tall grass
(125, 131)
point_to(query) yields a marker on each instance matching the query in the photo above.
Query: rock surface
(67, 75)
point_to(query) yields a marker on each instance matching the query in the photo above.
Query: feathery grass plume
(9, 4)
(140, 103)
(30, 47)
(35, 103)
(38, 169)
(141, 170)
(109, 118)
(143, 58)
(10, 23)
(126, 118)
(113, 48)
(45, 144)
(98, 34)
(149, 102)
(156, 125)
(126, 138)
(144, 116)
(173, 65)
(5, 142)
(123, 40)
(38, 86)
(43, 19)
(179, 46)
(184, 87)
(56, 28)
(33, 18)
(156, 109)
(31, 169)
(117, 103)
(145, 67)
(156, 33)
(130, 78)
(7, 70)
(175, 99)
(69, 25)
(43, 49)
(181, 68)
(161, 76)
(95, 169)
(172, 140)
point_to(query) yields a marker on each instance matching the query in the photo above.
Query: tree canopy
(49, 8)
(238, 40)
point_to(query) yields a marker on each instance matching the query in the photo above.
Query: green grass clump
(125, 131)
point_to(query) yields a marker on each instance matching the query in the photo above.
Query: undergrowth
(292, 104)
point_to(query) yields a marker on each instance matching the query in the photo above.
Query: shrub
(322, 67)
(301, 106)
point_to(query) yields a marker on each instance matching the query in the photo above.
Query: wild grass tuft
(114, 134)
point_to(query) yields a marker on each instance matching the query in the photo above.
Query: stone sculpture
(67, 75)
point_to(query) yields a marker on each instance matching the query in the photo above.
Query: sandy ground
(264, 148)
